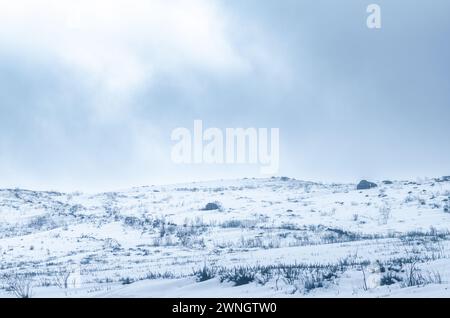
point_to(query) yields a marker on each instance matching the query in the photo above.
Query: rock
(365, 185)
(387, 182)
(442, 179)
(211, 206)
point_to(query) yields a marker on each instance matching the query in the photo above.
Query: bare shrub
(385, 214)
(20, 284)
(61, 278)
(365, 287)
(414, 276)
(433, 277)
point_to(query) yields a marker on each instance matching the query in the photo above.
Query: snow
(149, 241)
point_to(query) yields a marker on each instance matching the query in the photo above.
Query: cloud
(88, 85)
(90, 90)
(118, 47)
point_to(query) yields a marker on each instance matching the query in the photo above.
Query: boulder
(442, 179)
(211, 206)
(365, 185)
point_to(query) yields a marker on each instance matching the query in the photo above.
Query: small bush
(312, 281)
(307, 279)
(132, 221)
(238, 275)
(446, 205)
(232, 224)
(205, 273)
(291, 274)
(165, 275)
(264, 275)
(389, 278)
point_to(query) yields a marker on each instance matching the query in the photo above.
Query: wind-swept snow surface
(266, 237)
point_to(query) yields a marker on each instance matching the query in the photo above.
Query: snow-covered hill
(269, 237)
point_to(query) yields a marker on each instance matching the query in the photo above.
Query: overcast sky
(90, 91)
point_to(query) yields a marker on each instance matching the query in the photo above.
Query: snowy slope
(271, 237)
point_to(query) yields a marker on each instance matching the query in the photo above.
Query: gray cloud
(94, 108)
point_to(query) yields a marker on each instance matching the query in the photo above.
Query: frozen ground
(271, 237)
